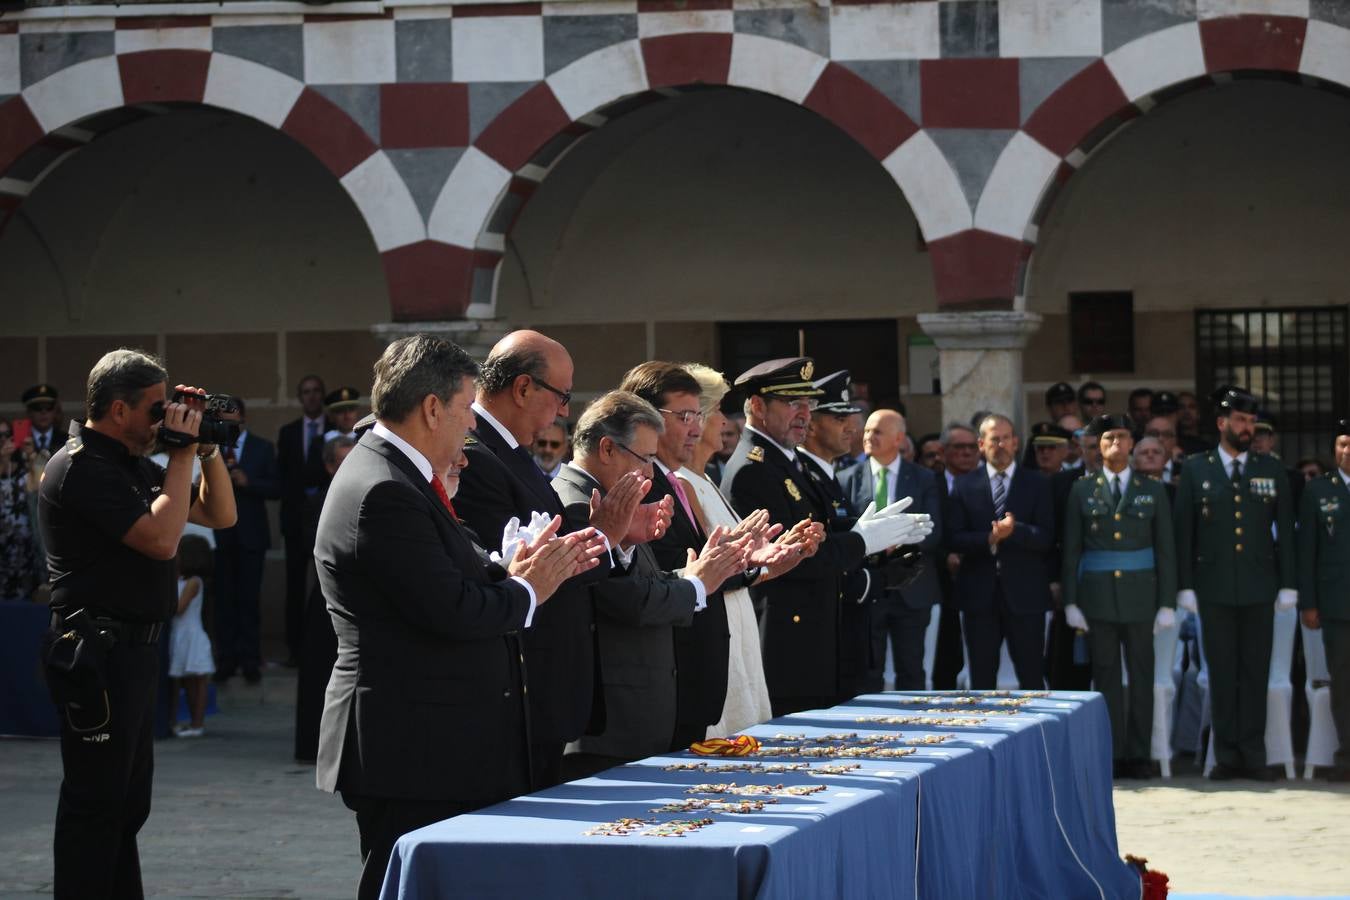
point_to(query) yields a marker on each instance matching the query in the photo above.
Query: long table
(1014, 802)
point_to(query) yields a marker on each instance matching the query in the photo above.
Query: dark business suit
(800, 624)
(1062, 672)
(904, 613)
(425, 712)
(302, 475)
(500, 483)
(1004, 595)
(949, 658)
(636, 611)
(240, 552)
(703, 647)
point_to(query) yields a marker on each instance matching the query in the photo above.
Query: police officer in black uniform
(111, 519)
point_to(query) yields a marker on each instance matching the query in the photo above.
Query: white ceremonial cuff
(700, 592)
(534, 602)
(624, 557)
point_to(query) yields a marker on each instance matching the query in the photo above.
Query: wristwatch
(207, 457)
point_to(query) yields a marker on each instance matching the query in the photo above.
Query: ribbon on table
(742, 745)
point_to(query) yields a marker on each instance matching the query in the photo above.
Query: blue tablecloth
(25, 707)
(1016, 806)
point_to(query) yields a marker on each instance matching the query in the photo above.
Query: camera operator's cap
(782, 378)
(1164, 403)
(1102, 424)
(1048, 434)
(1265, 421)
(1061, 393)
(39, 395)
(1235, 399)
(342, 398)
(836, 400)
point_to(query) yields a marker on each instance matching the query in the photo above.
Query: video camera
(213, 429)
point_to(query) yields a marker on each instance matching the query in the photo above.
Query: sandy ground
(234, 816)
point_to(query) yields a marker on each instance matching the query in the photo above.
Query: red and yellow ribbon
(741, 745)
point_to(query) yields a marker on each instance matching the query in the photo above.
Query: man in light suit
(252, 463)
(638, 605)
(424, 716)
(883, 477)
(999, 518)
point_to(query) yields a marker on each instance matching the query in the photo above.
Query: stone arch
(1079, 118)
(493, 179)
(42, 126)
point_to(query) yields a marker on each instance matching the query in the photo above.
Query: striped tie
(1000, 494)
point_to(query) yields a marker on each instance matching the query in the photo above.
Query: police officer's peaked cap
(1102, 424)
(1165, 403)
(1264, 421)
(788, 378)
(1060, 393)
(1343, 427)
(1235, 399)
(835, 398)
(342, 398)
(1048, 434)
(39, 394)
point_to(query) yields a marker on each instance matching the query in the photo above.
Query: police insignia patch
(470, 440)
(756, 454)
(792, 490)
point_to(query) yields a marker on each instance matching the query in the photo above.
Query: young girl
(190, 662)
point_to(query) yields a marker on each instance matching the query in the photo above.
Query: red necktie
(439, 488)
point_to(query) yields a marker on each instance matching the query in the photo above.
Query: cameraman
(112, 519)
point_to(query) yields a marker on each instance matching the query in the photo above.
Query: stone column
(980, 361)
(476, 336)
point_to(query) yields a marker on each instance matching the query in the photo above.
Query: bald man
(884, 477)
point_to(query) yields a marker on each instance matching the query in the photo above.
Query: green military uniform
(1119, 568)
(1324, 585)
(1228, 556)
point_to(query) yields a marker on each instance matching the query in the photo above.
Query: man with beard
(550, 449)
(1232, 569)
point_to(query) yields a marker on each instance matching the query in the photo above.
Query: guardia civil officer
(1323, 597)
(800, 624)
(111, 519)
(1119, 581)
(1230, 505)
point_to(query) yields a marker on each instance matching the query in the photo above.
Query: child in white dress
(190, 662)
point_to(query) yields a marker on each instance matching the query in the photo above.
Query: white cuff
(534, 603)
(700, 592)
(623, 557)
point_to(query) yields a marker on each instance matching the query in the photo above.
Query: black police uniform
(92, 492)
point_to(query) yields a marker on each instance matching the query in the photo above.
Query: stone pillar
(980, 361)
(476, 336)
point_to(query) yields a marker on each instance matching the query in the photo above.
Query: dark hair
(413, 367)
(931, 436)
(194, 556)
(656, 380)
(301, 383)
(1141, 392)
(501, 369)
(239, 402)
(1090, 386)
(124, 375)
(616, 416)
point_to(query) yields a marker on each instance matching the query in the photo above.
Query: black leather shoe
(1222, 772)
(1260, 773)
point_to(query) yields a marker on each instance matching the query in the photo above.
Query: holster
(74, 656)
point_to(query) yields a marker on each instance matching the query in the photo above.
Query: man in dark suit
(300, 465)
(638, 605)
(425, 712)
(252, 463)
(800, 624)
(41, 402)
(904, 613)
(1000, 520)
(525, 385)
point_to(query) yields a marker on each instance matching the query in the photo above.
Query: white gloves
(1186, 600)
(1166, 618)
(891, 526)
(1287, 598)
(515, 536)
(1074, 616)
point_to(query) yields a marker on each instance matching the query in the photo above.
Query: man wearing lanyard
(1119, 584)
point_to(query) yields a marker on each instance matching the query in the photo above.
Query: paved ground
(234, 816)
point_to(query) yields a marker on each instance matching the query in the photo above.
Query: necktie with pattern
(1000, 494)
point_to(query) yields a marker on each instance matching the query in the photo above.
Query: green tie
(882, 494)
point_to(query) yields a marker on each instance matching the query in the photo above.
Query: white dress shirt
(1228, 460)
(505, 432)
(786, 451)
(1122, 477)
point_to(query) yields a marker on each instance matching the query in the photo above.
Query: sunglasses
(1093, 401)
(548, 445)
(42, 407)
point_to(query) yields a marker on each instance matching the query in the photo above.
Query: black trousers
(299, 564)
(105, 790)
(381, 822)
(686, 734)
(781, 706)
(1336, 639)
(1237, 653)
(238, 578)
(1132, 716)
(318, 653)
(985, 633)
(1065, 674)
(546, 764)
(950, 657)
(905, 627)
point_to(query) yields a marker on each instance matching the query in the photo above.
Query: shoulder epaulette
(470, 440)
(755, 454)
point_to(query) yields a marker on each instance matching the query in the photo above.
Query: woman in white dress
(190, 662)
(747, 700)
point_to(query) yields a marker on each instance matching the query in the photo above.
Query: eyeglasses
(42, 407)
(685, 416)
(564, 397)
(1156, 433)
(548, 445)
(645, 460)
(1092, 401)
